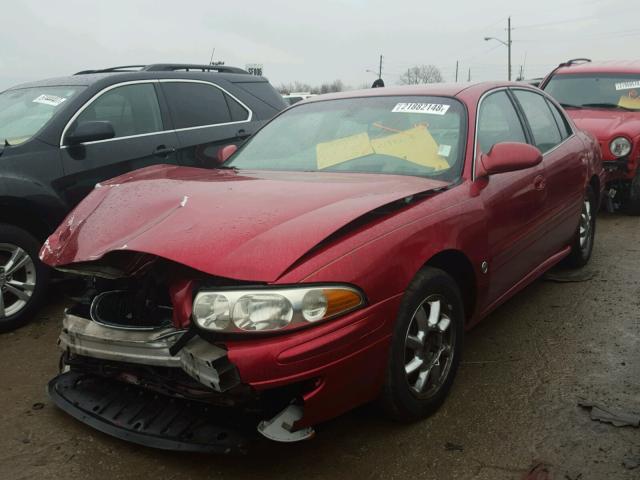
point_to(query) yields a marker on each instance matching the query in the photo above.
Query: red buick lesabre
(336, 258)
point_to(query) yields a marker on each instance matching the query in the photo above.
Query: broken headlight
(269, 309)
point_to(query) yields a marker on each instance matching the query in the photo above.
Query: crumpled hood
(606, 124)
(242, 225)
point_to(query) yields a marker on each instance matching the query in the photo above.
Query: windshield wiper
(6, 144)
(568, 105)
(607, 105)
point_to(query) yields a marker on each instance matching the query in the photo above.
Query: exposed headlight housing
(271, 309)
(620, 147)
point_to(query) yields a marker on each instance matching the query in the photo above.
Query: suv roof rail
(167, 67)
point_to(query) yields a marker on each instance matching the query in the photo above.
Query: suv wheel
(425, 348)
(23, 278)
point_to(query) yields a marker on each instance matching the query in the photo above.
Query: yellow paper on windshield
(342, 150)
(629, 102)
(415, 145)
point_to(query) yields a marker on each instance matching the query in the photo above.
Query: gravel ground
(512, 414)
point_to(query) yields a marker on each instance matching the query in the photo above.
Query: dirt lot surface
(513, 412)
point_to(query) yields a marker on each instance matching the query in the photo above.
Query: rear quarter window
(265, 92)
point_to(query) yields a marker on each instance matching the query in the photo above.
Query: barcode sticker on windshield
(52, 100)
(429, 108)
(628, 85)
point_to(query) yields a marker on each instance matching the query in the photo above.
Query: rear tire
(425, 348)
(582, 246)
(23, 277)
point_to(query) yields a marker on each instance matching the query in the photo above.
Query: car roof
(432, 89)
(612, 66)
(106, 78)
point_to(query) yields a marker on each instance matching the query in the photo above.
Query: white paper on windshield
(428, 108)
(628, 85)
(444, 150)
(51, 100)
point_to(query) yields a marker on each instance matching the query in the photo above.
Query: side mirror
(508, 157)
(225, 152)
(90, 132)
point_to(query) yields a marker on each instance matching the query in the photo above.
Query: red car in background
(603, 98)
(336, 258)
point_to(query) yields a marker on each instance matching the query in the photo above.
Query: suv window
(131, 109)
(498, 122)
(196, 104)
(543, 126)
(238, 112)
(563, 125)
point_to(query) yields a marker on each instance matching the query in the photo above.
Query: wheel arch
(25, 216)
(457, 264)
(594, 183)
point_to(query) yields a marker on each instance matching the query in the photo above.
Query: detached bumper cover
(145, 418)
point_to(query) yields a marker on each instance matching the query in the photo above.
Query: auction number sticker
(628, 85)
(51, 100)
(428, 108)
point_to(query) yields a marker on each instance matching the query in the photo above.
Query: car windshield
(415, 135)
(596, 90)
(24, 111)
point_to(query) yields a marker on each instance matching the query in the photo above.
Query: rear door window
(498, 122)
(131, 109)
(197, 104)
(543, 126)
(563, 124)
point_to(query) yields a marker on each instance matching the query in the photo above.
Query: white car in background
(295, 97)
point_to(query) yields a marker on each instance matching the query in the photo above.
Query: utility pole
(380, 69)
(469, 75)
(509, 45)
(456, 71)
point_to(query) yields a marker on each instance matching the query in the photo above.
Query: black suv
(60, 137)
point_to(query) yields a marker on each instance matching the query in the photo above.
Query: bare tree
(421, 74)
(335, 86)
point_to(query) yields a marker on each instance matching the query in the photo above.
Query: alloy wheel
(586, 224)
(429, 347)
(17, 279)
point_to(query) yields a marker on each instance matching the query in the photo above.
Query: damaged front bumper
(206, 363)
(106, 385)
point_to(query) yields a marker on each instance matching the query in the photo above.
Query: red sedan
(336, 258)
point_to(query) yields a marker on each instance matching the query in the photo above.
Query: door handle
(163, 151)
(241, 133)
(540, 183)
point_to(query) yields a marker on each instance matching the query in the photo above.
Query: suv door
(513, 201)
(563, 165)
(141, 138)
(206, 117)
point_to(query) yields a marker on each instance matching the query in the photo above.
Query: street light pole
(506, 44)
(509, 46)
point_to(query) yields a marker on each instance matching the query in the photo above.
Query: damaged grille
(126, 309)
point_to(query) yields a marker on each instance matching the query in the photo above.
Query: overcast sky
(313, 41)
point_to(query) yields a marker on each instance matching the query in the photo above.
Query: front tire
(23, 278)
(425, 348)
(633, 202)
(582, 246)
